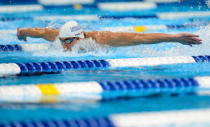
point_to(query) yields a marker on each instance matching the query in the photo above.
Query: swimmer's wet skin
(71, 32)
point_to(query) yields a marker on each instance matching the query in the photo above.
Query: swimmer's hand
(187, 39)
(20, 35)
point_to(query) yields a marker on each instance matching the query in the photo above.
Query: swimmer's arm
(125, 39)
(45, 33)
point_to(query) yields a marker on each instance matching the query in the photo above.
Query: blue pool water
(82, 109)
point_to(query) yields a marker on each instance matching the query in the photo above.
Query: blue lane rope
(7, 69)
(23, 47)
(149, 84)
(7, 19)
(60, 66)
(137, 119)
(9, 48)
(201, 59)
(103, 90)
(134, 16)
(89, 122)
(157, 16)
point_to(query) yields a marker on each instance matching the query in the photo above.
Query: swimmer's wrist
(173, 38)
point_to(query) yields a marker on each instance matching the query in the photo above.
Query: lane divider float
(60, 17)
(7, 69)
(126, 6)
(145, 119)
(102, 90)
(166, 15)
(23, 47)
(20, 8)
(163, 1)
(152, 27)
(62, 3)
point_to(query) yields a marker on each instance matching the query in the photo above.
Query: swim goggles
(67, 40)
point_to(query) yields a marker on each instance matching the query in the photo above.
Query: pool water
(90, 106)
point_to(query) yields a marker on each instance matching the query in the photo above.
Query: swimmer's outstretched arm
(125, 39)
(45, 33)
(114, 38)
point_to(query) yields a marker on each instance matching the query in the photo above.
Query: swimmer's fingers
(25, 39)
(195, 41)
(192, 42)
(22, 38)
(188, 39)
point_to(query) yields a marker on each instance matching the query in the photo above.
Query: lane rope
(145, 119)
(166, 15)
(100, 90)
(23, 47)
(7, 69)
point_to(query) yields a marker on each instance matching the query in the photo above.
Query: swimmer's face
(68, 42)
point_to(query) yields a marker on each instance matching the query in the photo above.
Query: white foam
(89, 46)
(54, 49)
(83, 47)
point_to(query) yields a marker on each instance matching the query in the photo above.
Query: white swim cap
(71, 29)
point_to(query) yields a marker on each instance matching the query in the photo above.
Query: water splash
(55, 49)
(85, 47)
(90, 46)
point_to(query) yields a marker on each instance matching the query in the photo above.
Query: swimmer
(71, 32)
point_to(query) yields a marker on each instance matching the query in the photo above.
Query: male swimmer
(71, 32)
